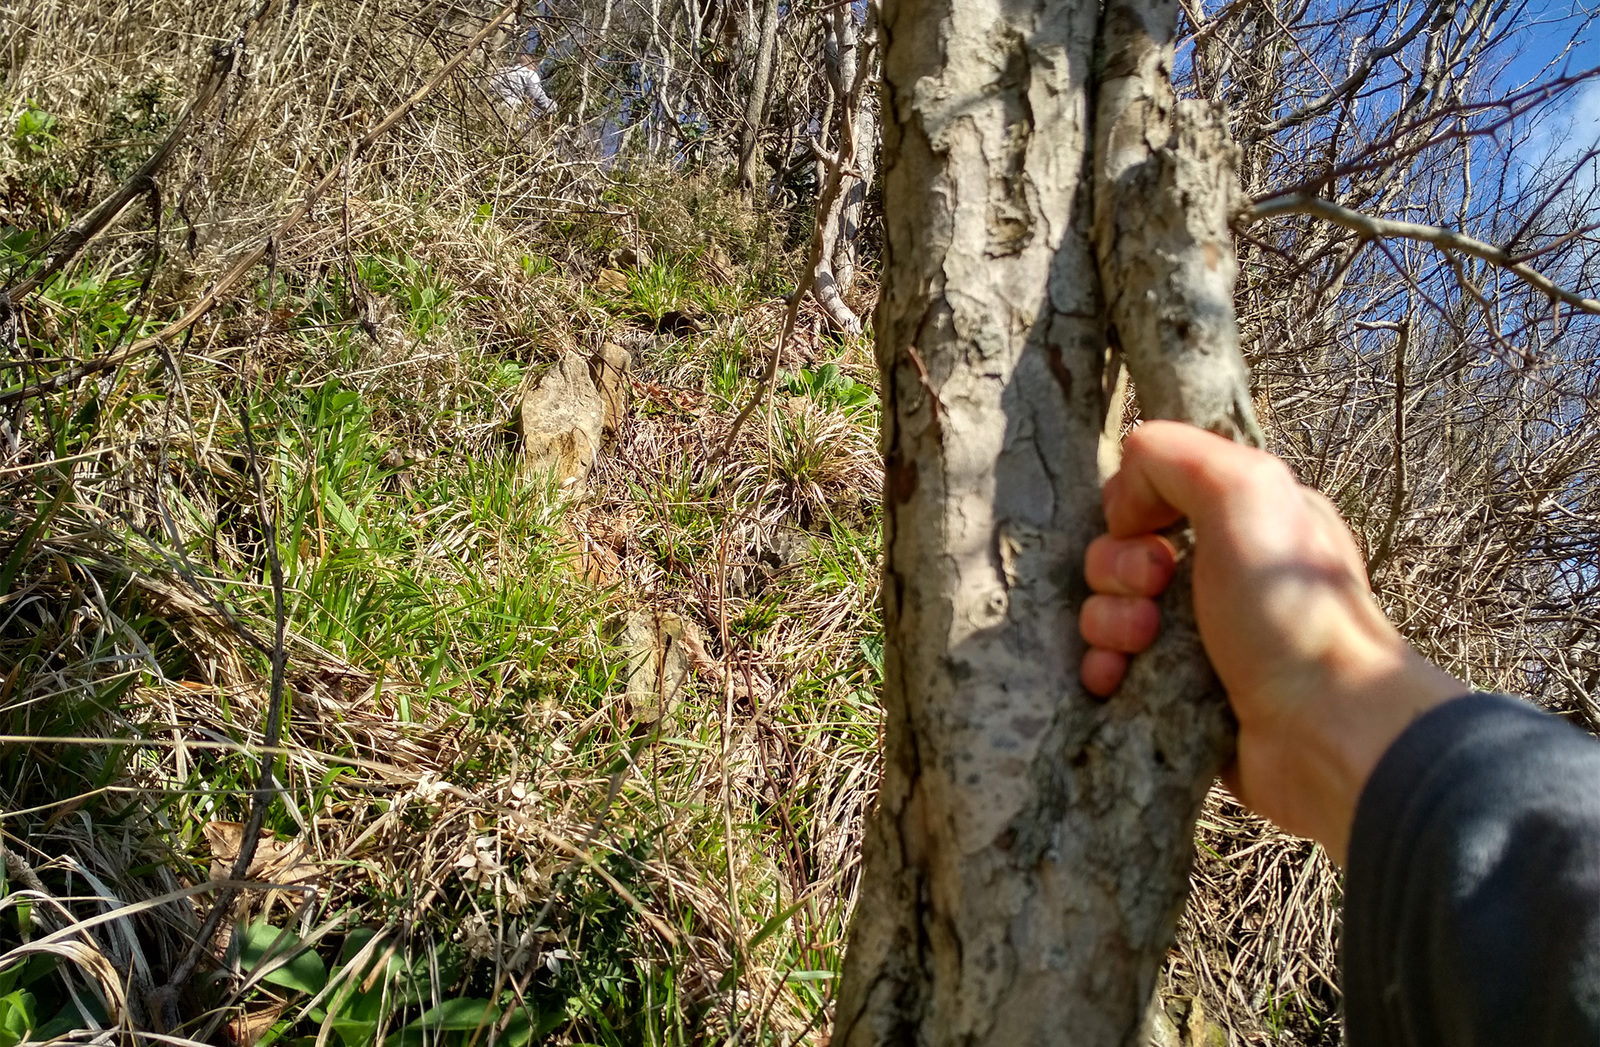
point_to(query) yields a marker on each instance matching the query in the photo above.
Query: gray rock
(658, 664)
(1180, 1021)
(560, 422)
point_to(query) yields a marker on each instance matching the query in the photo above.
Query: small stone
(609, 369)
(719, 267)
(629, 258)
(559, 424)
(612, 281)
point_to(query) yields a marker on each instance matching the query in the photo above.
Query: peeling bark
(1029, 853)
(827, 291)
(1165, 193)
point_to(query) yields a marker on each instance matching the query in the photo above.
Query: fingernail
(1136, 568)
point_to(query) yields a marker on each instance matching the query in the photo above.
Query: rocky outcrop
(570, 412)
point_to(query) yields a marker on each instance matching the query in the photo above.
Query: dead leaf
(247, 1027)
(275, 860)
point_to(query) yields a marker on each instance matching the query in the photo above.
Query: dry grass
(1258, 941)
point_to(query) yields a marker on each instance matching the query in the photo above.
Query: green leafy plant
(17, 1017)
(831, 388)
(427, 299)
(658, 289)
(35, 133)
(137, 116)
(726, 373)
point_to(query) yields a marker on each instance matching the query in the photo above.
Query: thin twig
(1385, 547)
(266, 784)
(1440, 237)
(1357, 77)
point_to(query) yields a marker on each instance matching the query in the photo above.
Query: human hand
(1320, 681)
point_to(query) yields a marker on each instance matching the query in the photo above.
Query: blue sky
(1560, 39)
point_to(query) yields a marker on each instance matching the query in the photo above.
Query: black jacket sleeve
(1472, 896)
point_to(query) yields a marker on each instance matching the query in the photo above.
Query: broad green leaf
(458, 1015)
(70, 1018)
(263, 943)
(16, 1017)
(450, 1016)
(354, 1033)
(519, 1030)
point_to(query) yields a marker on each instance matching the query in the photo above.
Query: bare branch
(1431, 15)
(1440, 237)
(1174, 317)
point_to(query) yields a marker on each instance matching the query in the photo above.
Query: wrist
(1348, 730)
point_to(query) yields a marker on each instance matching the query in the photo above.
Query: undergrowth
(467, 833)
(468, 828)
(468, 825)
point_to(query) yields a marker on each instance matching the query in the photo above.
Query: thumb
(1171, 470)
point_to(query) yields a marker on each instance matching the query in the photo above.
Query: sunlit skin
(1320, 681)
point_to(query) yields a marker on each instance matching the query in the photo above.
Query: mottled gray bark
(1166, 190)
(1029, 853)
(756, 104)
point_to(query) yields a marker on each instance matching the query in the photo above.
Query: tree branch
(1164, 190)
(1445, 239)
(1430, 16)
(1397, 498)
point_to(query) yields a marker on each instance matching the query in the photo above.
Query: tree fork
(1029, 853)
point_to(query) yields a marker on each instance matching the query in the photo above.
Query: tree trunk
(847, 248)
(1029, 853)
(848, 76)
(756, 104)
(583, 92)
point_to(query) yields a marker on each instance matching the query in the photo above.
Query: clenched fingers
(1137, 566)
(1126, 575)
(1119, 623)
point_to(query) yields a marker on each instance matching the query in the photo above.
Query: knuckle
(1260, 471)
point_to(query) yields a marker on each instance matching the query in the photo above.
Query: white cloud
(1584, 118)
(1564, 135)
(1560, 138)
